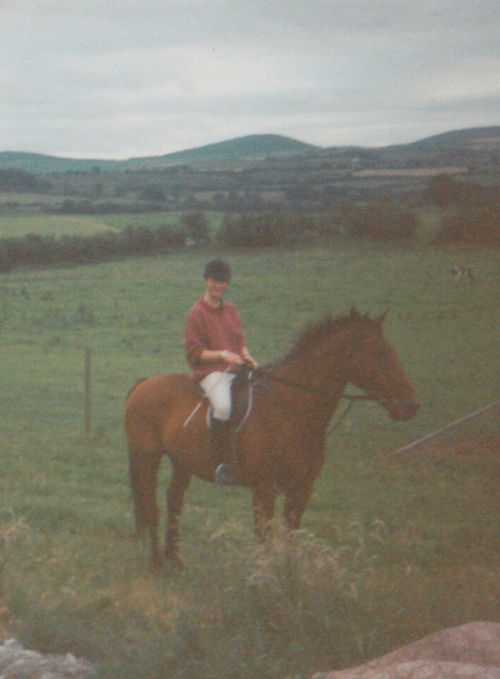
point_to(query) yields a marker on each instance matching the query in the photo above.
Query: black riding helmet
(218, 270)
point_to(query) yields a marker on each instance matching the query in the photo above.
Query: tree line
(67, 250)
(470, 215)
(472, 212)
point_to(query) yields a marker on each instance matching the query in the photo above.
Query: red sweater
(213, 329)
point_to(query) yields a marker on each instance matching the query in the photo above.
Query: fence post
(87, 394)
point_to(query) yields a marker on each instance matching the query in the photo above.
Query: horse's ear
(382, 317)
(354, 312)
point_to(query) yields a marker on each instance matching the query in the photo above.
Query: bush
(477, 226)
(271, 229)
(196, 226)
(446, 192)
(384, 221)
(35, 250)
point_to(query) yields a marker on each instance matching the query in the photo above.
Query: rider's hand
(232, 359)
(252, 363)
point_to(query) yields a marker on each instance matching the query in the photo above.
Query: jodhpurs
(217, 387)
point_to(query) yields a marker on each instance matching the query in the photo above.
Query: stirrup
(223, 475)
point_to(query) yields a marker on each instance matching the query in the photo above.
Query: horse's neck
(317, 379)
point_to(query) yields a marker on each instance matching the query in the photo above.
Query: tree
(384, 220)
(196, 226)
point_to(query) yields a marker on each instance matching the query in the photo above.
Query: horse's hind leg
(175, 498)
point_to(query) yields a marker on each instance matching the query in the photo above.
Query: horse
(281, 446)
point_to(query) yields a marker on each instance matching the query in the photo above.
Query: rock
(470, 651)
(18, 663)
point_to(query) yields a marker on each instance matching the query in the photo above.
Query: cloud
(111, 78)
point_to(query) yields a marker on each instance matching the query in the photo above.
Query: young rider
(215, 350)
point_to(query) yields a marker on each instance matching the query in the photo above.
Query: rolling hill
(258, 147)
(252, 147)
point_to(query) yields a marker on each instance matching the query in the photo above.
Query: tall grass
(391, 548)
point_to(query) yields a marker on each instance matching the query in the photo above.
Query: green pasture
(19, 224)
(392, 548)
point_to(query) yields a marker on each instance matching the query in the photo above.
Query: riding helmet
(218, 269)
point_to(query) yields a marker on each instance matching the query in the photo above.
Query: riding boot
(221, 449)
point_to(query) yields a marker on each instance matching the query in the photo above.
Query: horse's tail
(143, 472)
(144, 451)
(141, 522)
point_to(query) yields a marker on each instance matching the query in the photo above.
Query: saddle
(242, 389)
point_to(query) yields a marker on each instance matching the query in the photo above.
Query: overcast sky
(129, 78)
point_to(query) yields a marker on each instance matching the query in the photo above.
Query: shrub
(196, 226)
(476, 226)
(35, 250)
(271, 229)
(384, 221)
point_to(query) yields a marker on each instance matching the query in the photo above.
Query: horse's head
(375, 367)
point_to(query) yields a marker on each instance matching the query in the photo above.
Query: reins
(352, 398)
(316, 390)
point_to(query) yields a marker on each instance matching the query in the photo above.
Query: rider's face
(215, 289)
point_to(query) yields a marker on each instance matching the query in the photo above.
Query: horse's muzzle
(403, 410)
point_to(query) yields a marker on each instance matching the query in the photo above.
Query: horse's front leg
(296, 500)
(263, 501)
(175, 498)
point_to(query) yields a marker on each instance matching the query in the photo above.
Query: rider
(215, 350)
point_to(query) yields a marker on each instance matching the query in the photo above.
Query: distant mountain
(473, 137)
(252, 147)
(37, 163)
(463, 148)
(266, 146)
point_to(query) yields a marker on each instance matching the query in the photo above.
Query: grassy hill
(259, 147)
(37, 163)
(250, 147)
(471, 138)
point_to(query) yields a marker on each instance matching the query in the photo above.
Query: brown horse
(281, 447)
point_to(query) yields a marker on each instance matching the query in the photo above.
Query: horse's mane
(314, 333)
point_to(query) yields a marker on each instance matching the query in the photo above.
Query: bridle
(352, 398)
(316, 390)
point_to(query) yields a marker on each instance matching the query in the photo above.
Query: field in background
(392, 548)
(18, 224)
(14, 225)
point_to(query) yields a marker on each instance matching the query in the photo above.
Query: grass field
(19, 224)
(391, 548)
